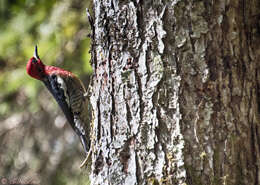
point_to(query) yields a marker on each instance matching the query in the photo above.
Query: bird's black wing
(57, 91)
(54, 87)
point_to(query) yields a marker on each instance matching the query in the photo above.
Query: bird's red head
(35, 68)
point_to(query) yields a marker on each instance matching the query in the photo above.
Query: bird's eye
(34, 60)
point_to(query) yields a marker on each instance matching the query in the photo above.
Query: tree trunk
(175, 92)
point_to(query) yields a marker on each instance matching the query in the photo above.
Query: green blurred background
(36, 143)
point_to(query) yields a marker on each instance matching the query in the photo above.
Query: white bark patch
(205, 75)
(160, 32)
(177, 137)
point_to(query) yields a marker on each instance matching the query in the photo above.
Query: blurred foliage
(35, 140)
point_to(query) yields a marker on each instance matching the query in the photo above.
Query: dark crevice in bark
(112, 93)
(258, 95)
(258, 144)
(256, 175)
(147, 61)
(136, 4)
(157, 129)
(190, 33)
(93, 44)
(125, 155)
(253, 137)
(138, 170)
(253, 151)
(257, 133)
(239, 168)
(245, 18)
(110, 84)
(93, 58)
(140, 93)
(99, 120)
(128, 115)
(106, 36)
(140, 25)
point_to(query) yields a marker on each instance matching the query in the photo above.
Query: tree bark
(175, 92)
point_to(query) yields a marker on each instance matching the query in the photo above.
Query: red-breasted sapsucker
(68, 91)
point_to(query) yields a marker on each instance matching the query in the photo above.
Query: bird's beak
(36, 53)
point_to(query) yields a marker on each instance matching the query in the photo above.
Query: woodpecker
(69, 93)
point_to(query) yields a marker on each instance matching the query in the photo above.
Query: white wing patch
(64, 87)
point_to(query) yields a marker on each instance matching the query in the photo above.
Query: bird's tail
(85, 142)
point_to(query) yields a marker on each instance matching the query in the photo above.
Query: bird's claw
(86, 160)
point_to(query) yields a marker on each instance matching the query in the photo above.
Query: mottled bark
(175, 92)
